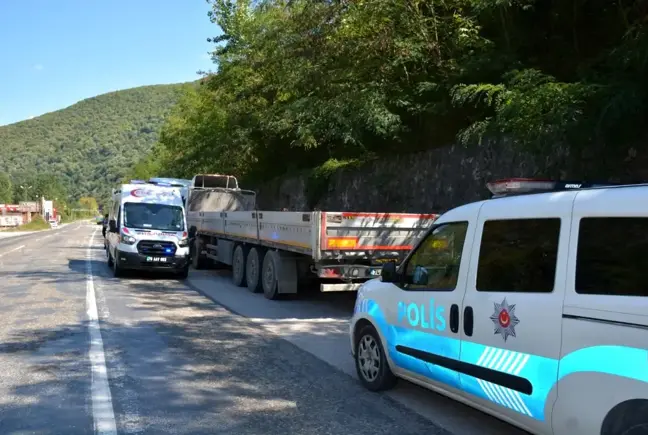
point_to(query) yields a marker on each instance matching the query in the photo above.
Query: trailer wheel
(269, 276)
(253, 270)
(238, 267)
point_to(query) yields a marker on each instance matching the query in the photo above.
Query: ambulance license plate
(156, 259)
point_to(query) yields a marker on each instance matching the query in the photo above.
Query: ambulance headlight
(183, 243)
(129, 240)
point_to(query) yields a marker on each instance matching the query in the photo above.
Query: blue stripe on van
(540, 371)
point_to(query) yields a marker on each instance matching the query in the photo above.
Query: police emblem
(504, 319)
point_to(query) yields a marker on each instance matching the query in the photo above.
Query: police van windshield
(153, 216)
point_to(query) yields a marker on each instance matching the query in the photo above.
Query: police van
(531, 306)
(147, 229)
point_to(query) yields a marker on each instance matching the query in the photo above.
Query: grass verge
(37, 224)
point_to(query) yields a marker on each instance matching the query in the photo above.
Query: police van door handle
(468, 321)
(454, 318)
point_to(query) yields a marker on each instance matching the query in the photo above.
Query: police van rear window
(612, 256)
(518, 255)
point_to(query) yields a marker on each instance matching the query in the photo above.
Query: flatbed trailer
(275, 252)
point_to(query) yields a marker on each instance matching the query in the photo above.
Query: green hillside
(89, 145)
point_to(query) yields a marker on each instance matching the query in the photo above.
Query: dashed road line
(13, 250)
(102, 406)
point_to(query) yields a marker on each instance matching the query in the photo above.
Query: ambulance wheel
(238, 267)
(117, 270)
(184, 273)
(253, 270)
(371, 362)
(269, 276)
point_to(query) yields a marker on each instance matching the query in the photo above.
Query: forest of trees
(86, 148)
(306, 84)
(303, 84)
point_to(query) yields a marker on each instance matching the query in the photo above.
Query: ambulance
(531, 306)
(147, 229)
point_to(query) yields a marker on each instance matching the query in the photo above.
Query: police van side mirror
(112, 224)
(388, 272)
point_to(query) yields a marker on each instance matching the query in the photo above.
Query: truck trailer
(277, 252)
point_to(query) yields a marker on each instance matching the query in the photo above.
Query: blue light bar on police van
(520, 186)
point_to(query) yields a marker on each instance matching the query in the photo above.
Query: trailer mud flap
(287, 275)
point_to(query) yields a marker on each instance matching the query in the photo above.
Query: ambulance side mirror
(388, 272)
(112, 224)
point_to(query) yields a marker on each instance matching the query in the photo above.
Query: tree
(49, 186)
(6, 189)
(88, 203)
(302, 82)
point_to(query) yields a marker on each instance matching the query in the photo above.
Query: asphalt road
(82, 352)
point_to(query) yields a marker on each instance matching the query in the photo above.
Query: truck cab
(147, 230)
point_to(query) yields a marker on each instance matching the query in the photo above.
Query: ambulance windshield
(153, 217)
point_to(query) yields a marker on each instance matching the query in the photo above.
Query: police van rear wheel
(628, 418)
(371, 362)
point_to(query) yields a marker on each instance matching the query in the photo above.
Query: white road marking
(102, 407)
(14, 249)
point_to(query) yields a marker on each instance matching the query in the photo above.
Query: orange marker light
(342, 242)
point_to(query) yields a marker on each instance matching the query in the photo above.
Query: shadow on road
(183, 365)
(76, 273)
(180, 364)
(308, 306)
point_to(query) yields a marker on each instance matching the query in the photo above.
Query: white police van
(531, 307)
(147, 229)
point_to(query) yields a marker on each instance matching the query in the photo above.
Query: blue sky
(54, 53)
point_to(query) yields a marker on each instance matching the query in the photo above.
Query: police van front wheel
(371, 361)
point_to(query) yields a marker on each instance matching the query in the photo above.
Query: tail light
(341, 242)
